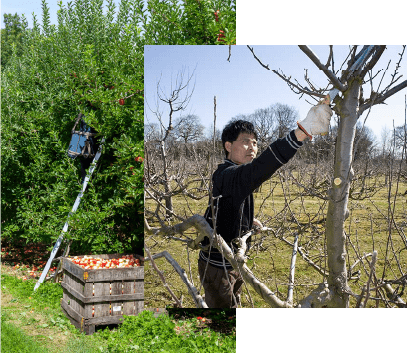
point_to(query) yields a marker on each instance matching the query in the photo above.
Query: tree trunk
(168, 199)
(339, 195)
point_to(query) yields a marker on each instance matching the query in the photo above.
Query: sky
(242, 85)
(28, 7)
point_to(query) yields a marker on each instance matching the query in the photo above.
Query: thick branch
(335, 81)
(318, 298)
(163, 279)
(191, 288)
(392, 295)
(373, 61)
(383, 97)
(199, 223)
(292, 271)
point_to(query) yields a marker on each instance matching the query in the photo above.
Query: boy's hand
(317, 119)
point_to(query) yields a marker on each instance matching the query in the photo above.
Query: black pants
(218, 292)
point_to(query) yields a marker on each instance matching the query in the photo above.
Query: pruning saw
(361, 58)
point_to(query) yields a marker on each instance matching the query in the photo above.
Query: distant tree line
(188, 134)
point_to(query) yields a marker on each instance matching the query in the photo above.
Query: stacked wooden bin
(101, 296)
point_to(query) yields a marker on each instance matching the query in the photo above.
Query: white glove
(317, 120)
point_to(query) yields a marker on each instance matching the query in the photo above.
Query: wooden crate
(102, 296)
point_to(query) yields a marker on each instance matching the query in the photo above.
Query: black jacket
(232, 190)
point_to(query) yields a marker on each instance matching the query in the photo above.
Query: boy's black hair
(232, 130)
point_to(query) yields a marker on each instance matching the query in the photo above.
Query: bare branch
(181, 272)
(292, 271)
(335, 81)
(393, 296)
(330, 57)
(302, 90)
(383, 97)
(394, 79)
(290, 84)
(372, 271)
(199, 223)
(162, 278)
(265, 66)
(373, 61)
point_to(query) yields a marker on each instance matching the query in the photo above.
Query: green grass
(14, 340)
(144, 333)
(366, 227)
(35, 320)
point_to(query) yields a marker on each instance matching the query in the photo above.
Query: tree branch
(302, 90)
(265, 66)
(335, 81)
(383, 97)
(292, 271)
(181, 272)
(204, 229)
(178, 303)
(373, 61)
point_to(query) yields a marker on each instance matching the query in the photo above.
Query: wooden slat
(139, 286)
(117, 304)
(76, 303)
(87, 299)
(139, 289)
(139, 306)
(105, 298)
(105, 320)
(72, 268)
(115, 274)
(73, 321)
(129, 306)
(105, 274)
(71, 312)
(102, 290)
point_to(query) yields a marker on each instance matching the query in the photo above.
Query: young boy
(233, 184)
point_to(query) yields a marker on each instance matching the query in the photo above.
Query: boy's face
(243, 150)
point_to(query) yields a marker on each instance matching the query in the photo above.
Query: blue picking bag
(82, 140)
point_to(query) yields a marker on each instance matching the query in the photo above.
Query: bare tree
(188, 129)
(285, 117)
(272, 122)
(349, 108)
(399, 134)
(264, 122)
(152, 132)
(385, 138)
(177, 100)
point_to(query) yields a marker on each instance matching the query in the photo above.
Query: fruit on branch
(220, 36)
(121, 101)
(216, 15)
